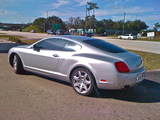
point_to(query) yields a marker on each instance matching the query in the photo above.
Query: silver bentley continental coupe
(87, 63)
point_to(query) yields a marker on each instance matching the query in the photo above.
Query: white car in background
(127, 36)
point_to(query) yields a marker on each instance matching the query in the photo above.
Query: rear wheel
(17, 65)
(83, 81)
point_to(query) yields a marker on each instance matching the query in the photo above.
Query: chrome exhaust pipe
(125, 87)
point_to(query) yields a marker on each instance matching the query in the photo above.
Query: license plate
(140, 77)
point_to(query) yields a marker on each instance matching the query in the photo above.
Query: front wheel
(17, 65)
(129, 38)
(83, 81)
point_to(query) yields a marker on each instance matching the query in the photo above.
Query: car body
(59, 32)
(33, 31)
(87, 63)
(102, 35)
(87, 34)
(127, 36)
(67, 33)
(51, 32)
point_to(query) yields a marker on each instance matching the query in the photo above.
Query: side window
(71, 46)
(52, 44)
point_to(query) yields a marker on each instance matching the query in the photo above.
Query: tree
(39, 23)
(54, 20)
(118, 25)
(128, 25)
(100, 30)
(75, 22)
(108, 24)
(139, 25)
(90, 19)
(92, 6)
(157, 26)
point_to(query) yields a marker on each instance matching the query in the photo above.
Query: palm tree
(91, 18)
(92, 6)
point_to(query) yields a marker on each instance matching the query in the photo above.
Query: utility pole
(45, 23)
(47, 14)
(124, 22)
(86, 18)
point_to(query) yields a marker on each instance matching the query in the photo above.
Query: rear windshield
(105, 46)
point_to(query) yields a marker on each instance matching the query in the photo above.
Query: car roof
(73, 37)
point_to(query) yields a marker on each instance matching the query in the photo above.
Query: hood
(23, 46)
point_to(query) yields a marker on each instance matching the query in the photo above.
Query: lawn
(151, 60)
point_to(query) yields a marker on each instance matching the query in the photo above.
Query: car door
(68, 57)
(45, 58)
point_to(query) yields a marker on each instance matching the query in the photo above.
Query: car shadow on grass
(146, 92)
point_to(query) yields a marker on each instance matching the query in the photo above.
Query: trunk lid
(133, 61)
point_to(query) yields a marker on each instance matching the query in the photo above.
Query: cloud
(64, 15)
(116, 3)
(82, 2)
(120, 11)
(60, 3)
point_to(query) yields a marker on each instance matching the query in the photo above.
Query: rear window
(105, 46)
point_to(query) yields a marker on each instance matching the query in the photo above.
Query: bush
(31, 27)
(13, 39)
(100, 30)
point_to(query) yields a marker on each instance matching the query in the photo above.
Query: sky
(26, 11)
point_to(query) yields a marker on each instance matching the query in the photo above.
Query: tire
(83, 81)
(17, 65)
(120, 38)
(129, 38)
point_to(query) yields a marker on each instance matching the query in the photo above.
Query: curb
(153, 76)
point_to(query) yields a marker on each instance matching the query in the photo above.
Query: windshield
(105, 46)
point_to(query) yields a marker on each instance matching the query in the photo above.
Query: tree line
(92, 23)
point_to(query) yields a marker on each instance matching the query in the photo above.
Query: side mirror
(35, 47)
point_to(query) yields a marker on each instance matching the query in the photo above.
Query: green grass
(2, 33)
(29, 42)
(7, 36)
(13, 38)
(151, 60)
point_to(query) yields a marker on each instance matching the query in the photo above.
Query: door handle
(55, 55)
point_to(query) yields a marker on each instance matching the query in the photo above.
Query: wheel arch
(11, 58)
(80, 66)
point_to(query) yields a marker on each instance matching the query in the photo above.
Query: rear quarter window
(105, 46)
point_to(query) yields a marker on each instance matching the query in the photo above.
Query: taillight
(122, 67)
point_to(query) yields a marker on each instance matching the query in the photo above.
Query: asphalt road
(153, 47)
(146, 46)
(34, 97)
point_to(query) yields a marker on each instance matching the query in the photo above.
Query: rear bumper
(123, 80)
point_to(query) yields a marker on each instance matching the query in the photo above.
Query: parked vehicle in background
(127, 36)
(59, 32)
(67, 33)
(87, 63)
(102, 35)
(33, 31)
(87, 34)
(51, 32)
